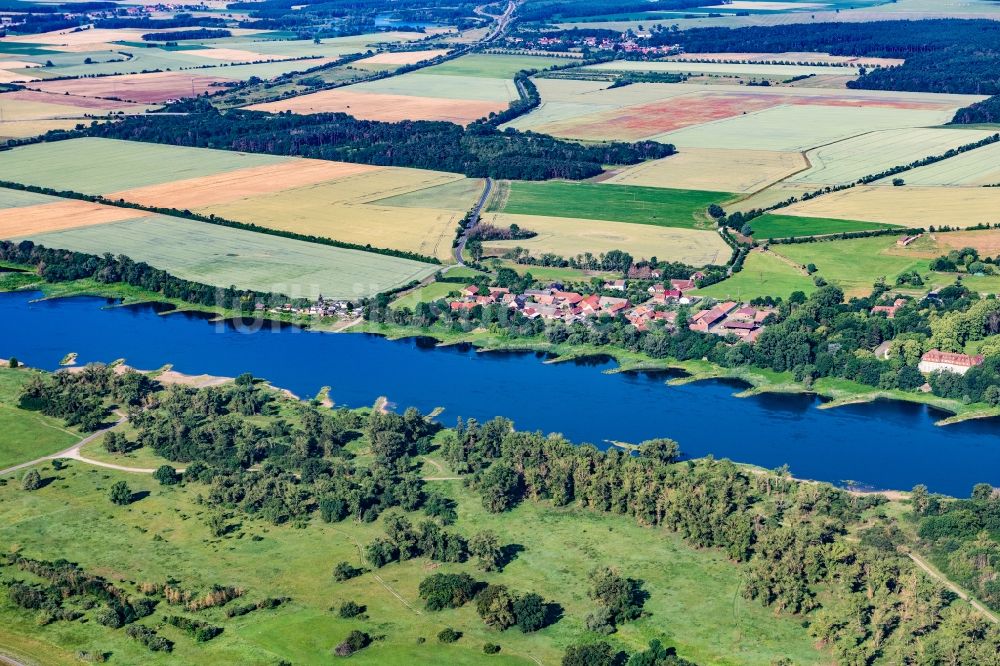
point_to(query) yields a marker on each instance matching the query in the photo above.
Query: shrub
(441, 591)
(449, 635)
(356, 640)
(32, 480)
(350, 609)
(167, 475)
(344, 571)
(491, 648)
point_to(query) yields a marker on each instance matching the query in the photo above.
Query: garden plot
(569, 237)
(874, 152)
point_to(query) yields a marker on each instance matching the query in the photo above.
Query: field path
(932, 571)
(473, 220)
(389, 588)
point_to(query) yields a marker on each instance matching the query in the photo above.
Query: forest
(477, 151)
(807, 550)
(942, 55)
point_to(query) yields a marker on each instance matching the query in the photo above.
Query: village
(553, 303)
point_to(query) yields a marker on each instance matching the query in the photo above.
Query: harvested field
(220, 256)
(800, 127)
(229, 186)
(620, 203)
(20, 222)
(445, 86)
(976, 167)
(713, 168)
(13, 77)
(388, 108)
(99, 166)
(572, 236)
(230, 55)
(155, 87)
(874, 152)
(69, 102)
(986, 242)
(400, 57)
(20, 129)
(352, 209)
(909, 206)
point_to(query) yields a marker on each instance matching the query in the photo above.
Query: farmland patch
(569, 237)
(221, 256)
(787, 226)
(975, 167)
(494, 66)
(710, 168)
(19, 222)
(383, 107)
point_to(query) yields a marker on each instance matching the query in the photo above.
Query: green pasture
(694, 601)
(221, 256)
(26, 434)
(855, 265)
(431, 292)
(618, 203)
(762, 275)
(787, 226)
(102, 166)
(494, 66)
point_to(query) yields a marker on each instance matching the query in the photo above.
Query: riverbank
(835, 391)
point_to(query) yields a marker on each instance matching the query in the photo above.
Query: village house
(706, 320)
(889, 310)
(935, 360)
(617, 285)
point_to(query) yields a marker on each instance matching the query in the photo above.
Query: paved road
(473, 221)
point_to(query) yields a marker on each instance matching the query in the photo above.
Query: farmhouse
(936, 360)
(706, 320)
(889, 310)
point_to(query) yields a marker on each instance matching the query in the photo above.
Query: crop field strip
(708, 168)
(752, 69)
(771, 225)
(910, 206)
(63, 214)
(569, 237)
(874, 152)
(222, 256)
(616, 203)
(973, 168)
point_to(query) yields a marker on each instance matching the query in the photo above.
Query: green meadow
(762, 275)
(792, 226)
(26, 434)
(694, 603)
(617, 203)
(494, 66)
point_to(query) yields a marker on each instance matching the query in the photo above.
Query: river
(883, 445)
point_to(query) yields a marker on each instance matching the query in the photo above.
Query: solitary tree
(32, 480)
(120, 494)
(485, 546)
(166, 475)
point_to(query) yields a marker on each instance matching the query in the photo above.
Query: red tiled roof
(950, 358)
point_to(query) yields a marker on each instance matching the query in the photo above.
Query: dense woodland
(858, 596)
(477, 150)
(942, 55)
(556, 10)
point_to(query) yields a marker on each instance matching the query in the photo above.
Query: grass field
(444, 86)
(770, 225)
(569, 237)
(908, 206)
(431, 292)
(72, 518)
(221, 256)
(854, 265)
(458, 195)
(26, 434)
(100, 166)
(712, 169)
(763, 274)
(874, 152)
(618, 203)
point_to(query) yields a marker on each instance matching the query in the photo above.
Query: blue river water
(884, 445)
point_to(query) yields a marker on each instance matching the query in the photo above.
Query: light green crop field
(763, 274)
(975, 167)
(143, 59)
(694, 601)
(101, 166)
(262, 70)
(854, 265)
(874, 152)
(297, 48)
(26, 434)
(456, 195)
(18, 199)
(774, 71)
(787, 226)
(446, 86)
(221, 256)
(494, 66)
(431, 292)
(799, 127)
(618, 203)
